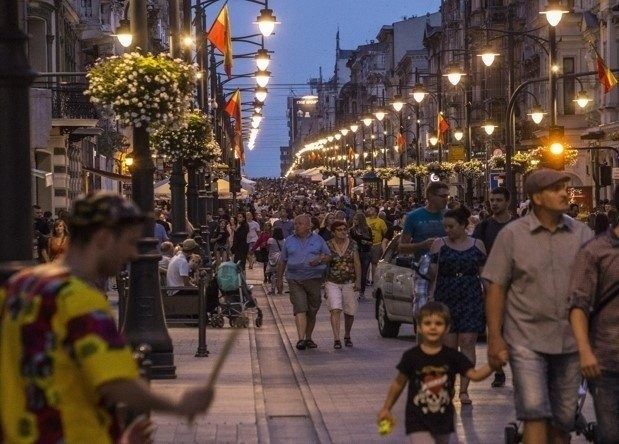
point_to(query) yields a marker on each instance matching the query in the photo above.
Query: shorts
(429, 438)
(305, 295)
(377, 252)
(342, 297)
(545, 386)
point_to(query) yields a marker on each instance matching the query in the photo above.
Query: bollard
(122, 287)
(204, 279)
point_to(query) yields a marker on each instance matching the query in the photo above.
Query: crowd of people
(542, 282)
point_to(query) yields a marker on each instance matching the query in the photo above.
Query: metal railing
(67, 91)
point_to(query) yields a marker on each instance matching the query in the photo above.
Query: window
(569, 85)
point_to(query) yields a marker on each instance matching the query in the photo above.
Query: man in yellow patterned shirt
(63, 363)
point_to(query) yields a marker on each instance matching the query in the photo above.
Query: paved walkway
(270, 392)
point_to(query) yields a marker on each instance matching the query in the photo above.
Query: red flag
(401, 140)
(442, 125)
(351, 152)
(221, 37)
(606, 76)
(233, 109)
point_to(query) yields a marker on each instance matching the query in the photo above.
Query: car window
(392, 250)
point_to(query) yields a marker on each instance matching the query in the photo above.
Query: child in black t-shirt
(430, 369)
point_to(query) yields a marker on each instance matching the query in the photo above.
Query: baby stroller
(235, 298)
(513, 432)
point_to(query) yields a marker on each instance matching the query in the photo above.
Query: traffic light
(554, 155)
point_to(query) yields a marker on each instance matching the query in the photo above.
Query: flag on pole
(221, 37)
(606, 76)
(401, 140)
(442, 126)
(233, 109)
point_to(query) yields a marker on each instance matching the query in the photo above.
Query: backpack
(228, 276)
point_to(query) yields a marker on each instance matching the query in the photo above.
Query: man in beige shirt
(526, 307)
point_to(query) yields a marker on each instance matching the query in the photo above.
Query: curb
(306, 392)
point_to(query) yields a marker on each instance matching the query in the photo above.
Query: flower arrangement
(570, 156)
(497, 162)
(142, 90)
(413, 170)
(385, 173)
(443, 170)
(521, 162)
(193, 141)
(358, 173)
(472, 169)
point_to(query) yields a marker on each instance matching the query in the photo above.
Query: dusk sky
(303, 43)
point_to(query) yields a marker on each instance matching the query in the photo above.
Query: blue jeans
(545, 386)
(605, 392)
(365, 258)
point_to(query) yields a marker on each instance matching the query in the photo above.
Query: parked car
(393, 291)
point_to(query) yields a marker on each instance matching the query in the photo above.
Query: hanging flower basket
(191, 142)
(142, 90)
(497, 162)
(385, 173)
(472, 169)
(443, 170)
(521, 162)
(539, 153)
(413, 171)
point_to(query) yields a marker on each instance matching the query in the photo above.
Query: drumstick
(225, 351)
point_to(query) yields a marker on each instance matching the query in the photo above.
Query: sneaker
(499, 379)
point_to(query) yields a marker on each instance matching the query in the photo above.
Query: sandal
(337, 344)
(464, 399)
(310, 344)
(347, 342)
(301, 345)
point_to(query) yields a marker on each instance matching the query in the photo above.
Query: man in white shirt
(178, 269)
(252, 236)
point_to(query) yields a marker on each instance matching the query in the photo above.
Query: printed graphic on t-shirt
(432, 396)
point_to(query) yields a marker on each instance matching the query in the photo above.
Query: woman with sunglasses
(343, 281)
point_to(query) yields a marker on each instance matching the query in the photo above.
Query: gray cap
(542, 178)
(189, 245)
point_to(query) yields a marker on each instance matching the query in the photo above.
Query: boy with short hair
(430, 368)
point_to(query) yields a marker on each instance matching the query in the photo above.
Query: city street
(270, 392)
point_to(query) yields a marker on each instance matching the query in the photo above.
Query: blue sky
(303, 43)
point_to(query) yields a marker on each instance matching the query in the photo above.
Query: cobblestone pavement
(270, 392)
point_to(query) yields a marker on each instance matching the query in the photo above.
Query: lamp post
(144, 320)
(16, 232)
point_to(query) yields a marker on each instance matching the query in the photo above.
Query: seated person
(167, 253)
(178, 270)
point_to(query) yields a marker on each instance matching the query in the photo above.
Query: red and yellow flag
(221, 37)
(401, 140)
(233, 109)
(442, 126)
(606, 76)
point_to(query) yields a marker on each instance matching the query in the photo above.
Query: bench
(180, 308)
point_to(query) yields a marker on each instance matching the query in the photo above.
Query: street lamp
(266, 21)
(261, 94)
(554, 12)
(537, 114)
(458, 134)
(263, 59)
(454, 74)
(262, 78)
(489, 127)
(123, 33)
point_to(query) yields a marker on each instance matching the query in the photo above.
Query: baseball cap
(105, 209)
(542, 178)
(189, 245)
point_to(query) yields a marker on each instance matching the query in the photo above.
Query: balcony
(68, 99)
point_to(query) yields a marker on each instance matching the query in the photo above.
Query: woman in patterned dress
(457, 260)
(343, 281)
